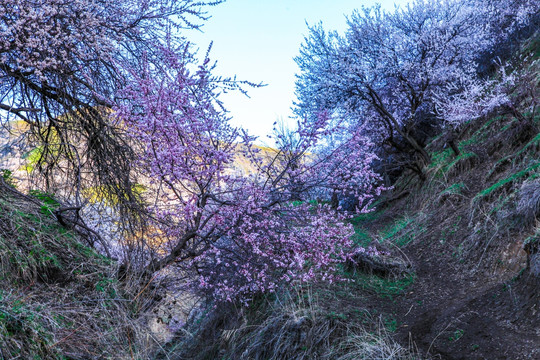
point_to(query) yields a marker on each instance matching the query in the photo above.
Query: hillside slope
(59, 299)
(456, 275)
(470, 232)
(469, 238)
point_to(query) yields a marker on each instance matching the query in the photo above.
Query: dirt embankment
(471, 234)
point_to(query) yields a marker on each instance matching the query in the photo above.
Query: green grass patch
(361, 237)
(7, 175)
(401, 232)
(454, 189)
(394, 229)
(484, 132)
(440, 158)
(445, 161)
(534, 143)
(33, 246)
(368, 217)
(530, 148)
(529, 172)
(49, 202)
(384, 287)
(390, 323)
(509, 125)
(459, 159)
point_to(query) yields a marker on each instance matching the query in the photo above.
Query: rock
(383, 266)
(513, 258)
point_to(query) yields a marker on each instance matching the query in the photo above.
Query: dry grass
(365, 345)
(293, 328)
(529, 201)
(59, 299)
(292, 325)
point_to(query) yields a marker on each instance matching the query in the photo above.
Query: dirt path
(453, 316)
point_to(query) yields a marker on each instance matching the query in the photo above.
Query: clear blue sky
(256, 40)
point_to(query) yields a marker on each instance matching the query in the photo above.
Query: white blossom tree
(384, 71)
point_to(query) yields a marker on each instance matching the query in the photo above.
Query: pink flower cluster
(237, 235)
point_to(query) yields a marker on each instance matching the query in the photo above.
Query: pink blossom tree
(66, 66)
(236, 235)
(507, 16)
(62, 63)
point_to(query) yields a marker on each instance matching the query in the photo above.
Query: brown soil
(451, 315)
(473, 297)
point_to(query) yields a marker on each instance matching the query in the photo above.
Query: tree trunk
(453, 145)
